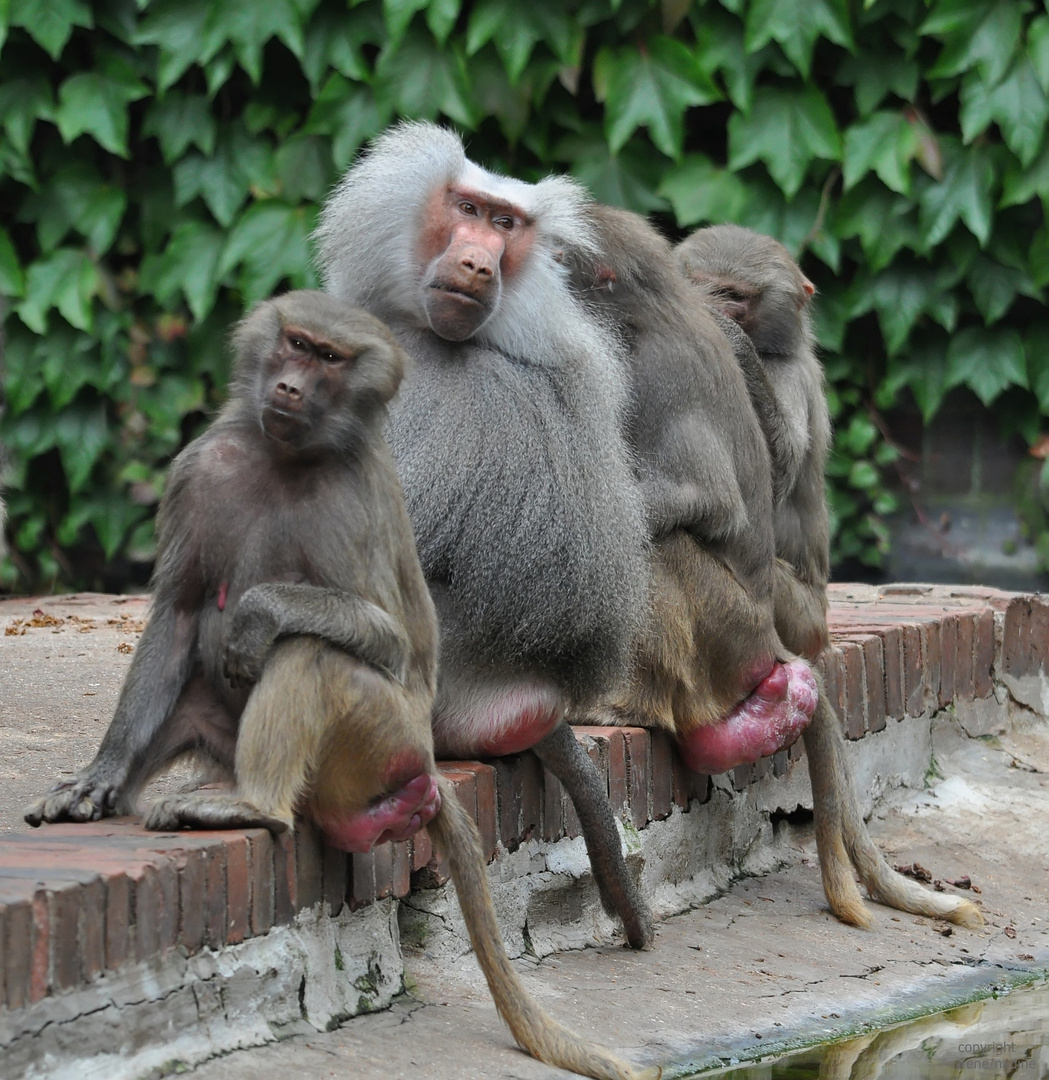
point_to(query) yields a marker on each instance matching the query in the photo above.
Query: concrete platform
(937, 687)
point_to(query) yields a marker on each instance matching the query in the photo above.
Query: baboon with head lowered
(711, 667)
(507, 437)
(293, 637)
(752, 280)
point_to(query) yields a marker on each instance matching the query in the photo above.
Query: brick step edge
(77, 900)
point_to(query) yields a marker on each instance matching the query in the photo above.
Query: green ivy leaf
(240, 164)
(510, 103)
(441, 17)
(1020, 184)
(786, 129)
(1038, 49)
(270, 243)
(901, 295)
(796, 25)
(95, 104)
(250, 26)
(874, 76)
(187, 32)
(1018, 105)
(885, 143)
(109, 515)
(188, 264)
(650, 87)
(885, 223)
(50, 22)
(350, 114)
(398, 14)
(791, 222)
(625, 179)
(986, 361)
(719, 50)
(994, 287)
(699, 190)
(416, 79)
(1036, 348)
(335, 39)
(515, 29)
(180, 121)
(966, 193)
(923, 372)
(12, 278)
(67, 280)
(984, 34)
(81, 434)
(304, 168)
(22, 103)
(77, 198)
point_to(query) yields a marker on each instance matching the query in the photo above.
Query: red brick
(336, 878)
(260, 869)
(285, 882)
(92, 928)
(855, 694)
(741, 775)
(362, 879)
(40, 965)
(780, 764)
(485, 803)
(192, 893)
(662, 775)
(931, 660)
(983, 655)
(913, 669)
(948, 659)
(964, 671)
(1016, 637)
(308, 865)
(382, 870)
(682, 778)
(18, 952)
(119, 920)
(760, 769)
(874, 681)
(553, 807)
(421, 848)
(618, 778)
(146, 901)
(215, 897)
(1038, 639)
(831, 667)
(401, 869)
(638, 746)
(238, 889)
(63, 913)
(892, 659)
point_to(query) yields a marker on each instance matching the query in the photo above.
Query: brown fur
(754, 281)
(284, 548)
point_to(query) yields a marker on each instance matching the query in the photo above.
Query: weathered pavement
(760, 966)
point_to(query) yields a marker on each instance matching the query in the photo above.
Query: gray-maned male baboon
(293, 638)
(508, 441)
(754, 281)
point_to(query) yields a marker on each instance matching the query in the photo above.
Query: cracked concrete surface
(762, 967)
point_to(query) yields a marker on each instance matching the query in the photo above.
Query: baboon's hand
(86, 797)
(248, 643)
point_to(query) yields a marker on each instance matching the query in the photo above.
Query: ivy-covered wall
(162, 162)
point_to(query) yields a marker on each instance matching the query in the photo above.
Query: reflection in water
(994, 1038)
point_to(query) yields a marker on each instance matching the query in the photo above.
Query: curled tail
(843, 840)
(534, 1030)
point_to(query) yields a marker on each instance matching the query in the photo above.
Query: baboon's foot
(395, 817)
(209, 810)
(769, 720)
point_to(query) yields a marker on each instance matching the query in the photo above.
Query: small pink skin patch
(515, 731)
(770, 719)
(222, 595)
(396, 817)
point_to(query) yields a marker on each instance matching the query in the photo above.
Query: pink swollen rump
(770, 719)
(396, 817)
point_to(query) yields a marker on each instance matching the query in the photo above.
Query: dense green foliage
(162, 162)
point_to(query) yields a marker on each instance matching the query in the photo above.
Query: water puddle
(1006, 1036)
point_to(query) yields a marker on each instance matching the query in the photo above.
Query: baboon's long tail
(840, 829)
(535, 1031)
